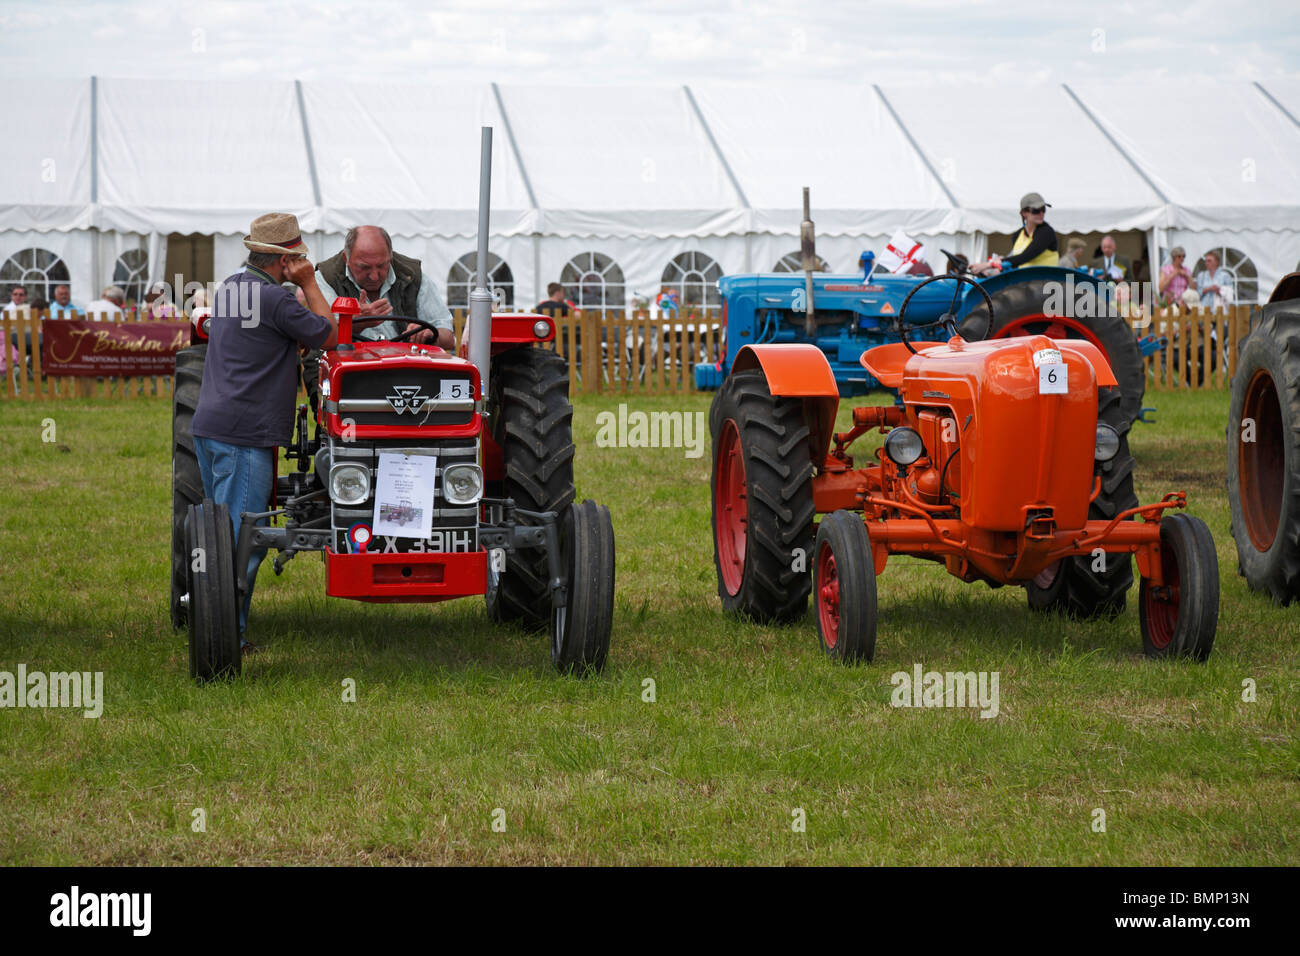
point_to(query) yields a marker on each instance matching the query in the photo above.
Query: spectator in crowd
(1214, 283)
(555, 304)
(64, 307)
(108, 306)
(1175, 279)
(17, 301)
(385, 282)
(41, 304)
(1035, 244)
(1111, 266)
(156, 305)
(1073, 253)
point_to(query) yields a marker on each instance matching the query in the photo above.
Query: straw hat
(276, 232)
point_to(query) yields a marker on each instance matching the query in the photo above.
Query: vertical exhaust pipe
(480, 300)
(808, 255)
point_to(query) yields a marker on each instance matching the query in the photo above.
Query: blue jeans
(239, 477)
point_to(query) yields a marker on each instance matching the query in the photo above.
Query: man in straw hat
(250, 376)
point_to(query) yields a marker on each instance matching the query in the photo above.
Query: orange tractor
(1005, 460)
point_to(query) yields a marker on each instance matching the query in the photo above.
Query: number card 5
(455, 389)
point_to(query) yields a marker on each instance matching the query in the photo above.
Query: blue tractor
(844, 315)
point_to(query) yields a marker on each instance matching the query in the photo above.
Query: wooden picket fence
(1202, 349)
(636, 353)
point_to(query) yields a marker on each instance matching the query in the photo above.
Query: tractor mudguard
(799, 371)
(1105, 376)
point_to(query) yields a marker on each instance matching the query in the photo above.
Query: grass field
(455, 719)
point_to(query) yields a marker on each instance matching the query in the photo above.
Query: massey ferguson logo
(407, 399)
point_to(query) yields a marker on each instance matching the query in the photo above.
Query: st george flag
(901, 254)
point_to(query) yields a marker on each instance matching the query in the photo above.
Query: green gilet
(403, 294)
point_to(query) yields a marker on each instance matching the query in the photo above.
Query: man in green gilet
(385, 283)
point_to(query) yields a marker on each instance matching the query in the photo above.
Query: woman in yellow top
(1035, 243)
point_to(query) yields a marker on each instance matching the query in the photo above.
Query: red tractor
(479, 448)
(1005, 460)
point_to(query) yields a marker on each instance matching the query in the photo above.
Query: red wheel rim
(1162, 611)
(1261, 464)
(828, 596)
(730, 507)
(1056, 327)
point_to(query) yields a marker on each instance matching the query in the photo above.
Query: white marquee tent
(625, 189)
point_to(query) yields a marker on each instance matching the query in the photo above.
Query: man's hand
(300, 272)
(378, 307)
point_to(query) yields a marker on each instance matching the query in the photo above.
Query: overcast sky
(667, 42)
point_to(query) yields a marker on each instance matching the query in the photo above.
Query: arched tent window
(593, 280)
(38, 270)
(131, 274)
(695, 277)
(793, 262)
(460, 280)
(1245, 277)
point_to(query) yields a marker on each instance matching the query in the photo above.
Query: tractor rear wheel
(844, 588)
(1021, 309)
(187, 482)
(1075, 586)
(580, 629)
(532, 423)
(762, 500)
(1264, 457)
(1179, 618)
(214, 602)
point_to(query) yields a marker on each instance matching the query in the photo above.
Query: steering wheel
(949, 319)
(404, 336)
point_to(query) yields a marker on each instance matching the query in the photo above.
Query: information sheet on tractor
(404, 491)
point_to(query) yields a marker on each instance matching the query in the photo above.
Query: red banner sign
(81, 347)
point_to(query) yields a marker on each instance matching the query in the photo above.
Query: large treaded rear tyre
(532, 422)
(1019, 310)
(762, 500)
(187, 482)
(214, 604)
(1264, 473)
(1072, 586)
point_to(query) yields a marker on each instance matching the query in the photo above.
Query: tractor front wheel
(214, 602)
(1179, 618)
(762, 500)
(580, 629)
(844, 588)
(187, 481)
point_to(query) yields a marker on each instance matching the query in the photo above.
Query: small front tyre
(844, 588)
(213, 617)
(1179, 618)
(580, 629)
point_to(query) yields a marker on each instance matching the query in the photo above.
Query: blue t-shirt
(250, 375)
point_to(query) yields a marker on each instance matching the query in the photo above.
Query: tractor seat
(886, 362)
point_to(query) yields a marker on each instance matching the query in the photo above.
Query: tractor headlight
(904, 446)
(462, 484)
(349, 483)
(541, 329)
(1107, 442)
